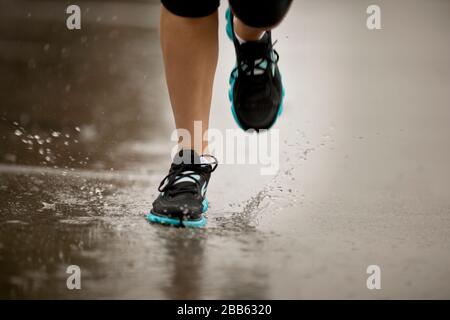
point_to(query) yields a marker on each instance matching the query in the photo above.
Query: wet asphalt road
(364, 176)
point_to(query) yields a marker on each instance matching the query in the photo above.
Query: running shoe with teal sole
(256, 90)
(182, 200)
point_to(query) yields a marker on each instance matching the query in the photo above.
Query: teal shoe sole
(233, 77)
(154, 218)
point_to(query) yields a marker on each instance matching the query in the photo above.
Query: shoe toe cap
(190, 208)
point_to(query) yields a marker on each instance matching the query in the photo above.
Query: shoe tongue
(187, 157)
(256, 49)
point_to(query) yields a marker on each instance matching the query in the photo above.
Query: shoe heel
(229, 27)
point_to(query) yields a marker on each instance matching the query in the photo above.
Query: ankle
(245, 33)
(200, 150)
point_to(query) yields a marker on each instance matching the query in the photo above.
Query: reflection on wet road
(85, 139)
(98, 224)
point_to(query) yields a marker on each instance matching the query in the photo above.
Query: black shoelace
(251, 55)
(179, 171)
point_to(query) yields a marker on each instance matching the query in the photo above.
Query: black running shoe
(256, 91)
(182, 201)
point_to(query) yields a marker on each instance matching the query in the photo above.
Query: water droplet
(49, 206)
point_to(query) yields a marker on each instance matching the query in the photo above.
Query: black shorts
(254, 13)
